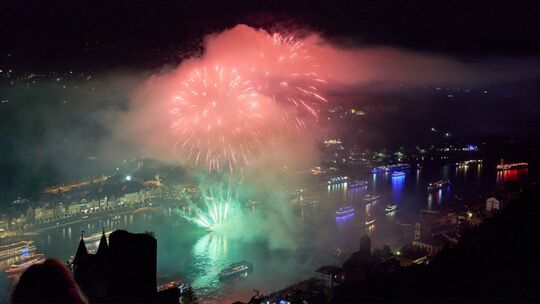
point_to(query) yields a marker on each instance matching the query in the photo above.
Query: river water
(196, 256)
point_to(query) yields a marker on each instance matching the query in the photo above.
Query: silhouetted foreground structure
(495, 262)
(123, 271)
(50, 282)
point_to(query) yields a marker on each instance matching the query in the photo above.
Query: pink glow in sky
(250, 86)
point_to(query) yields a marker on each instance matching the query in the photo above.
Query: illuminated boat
(345, 210)
(17, 249)
(308, 203)
(391, 168)
(380, 169)
(399, 167)
(368, 198)
(357, 184)
(502, 166)
(370, 222)
(336, 180)
(242, 267)
(398, 174)
(27, 262)
(390, 208)
(438, 185)
(468, 162)
(183, 287)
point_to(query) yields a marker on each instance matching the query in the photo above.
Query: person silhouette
(48, 282)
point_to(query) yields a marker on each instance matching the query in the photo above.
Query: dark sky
(104, 34)
(47, 133)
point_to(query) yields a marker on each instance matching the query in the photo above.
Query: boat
(26, 262)
(370, 222)
(468, 162)
(399, 167)
(391, 168)
(17, 249)
(398, 174)
(438, 185)
(380, 169)
(370, 198)
(116, 218)
(503, 167)
(390, 208)
(357, 184)
(174, 284)
(345, 210)
(336, 180)
(235, 269)
(308, 203)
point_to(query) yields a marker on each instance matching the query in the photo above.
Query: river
(196, 256)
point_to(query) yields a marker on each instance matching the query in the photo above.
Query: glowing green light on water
(212, 209)
(216, 214)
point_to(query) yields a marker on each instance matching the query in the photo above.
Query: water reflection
(209, 257)
(342, 220)
(462, 170)
(513, 175)
(398, 184)
(374, 181)
(479, 168)
(430, 201)
(446, 171)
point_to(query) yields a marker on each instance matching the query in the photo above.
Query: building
(431, 244)
(329, 276)
(38, 214)
(493, 204)
(74, 208)
(356, 266)
(409, 255)
(30, 214)
(122, 270)
(90, 270)
(365, 247)
(132, 267)
(417, 230)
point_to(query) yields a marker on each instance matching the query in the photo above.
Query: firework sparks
(219, 118)
(285, 70)
(222, 116)
(213, 211)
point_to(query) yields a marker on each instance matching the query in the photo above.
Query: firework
(284, 69)
(218, 117)
(210, 211)
(222, 114)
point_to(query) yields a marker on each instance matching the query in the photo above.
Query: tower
(103, 248)
(132, 262)
(81, 254)
(365, 247)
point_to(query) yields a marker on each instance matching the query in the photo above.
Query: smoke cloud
(327, 69)
(148, 121)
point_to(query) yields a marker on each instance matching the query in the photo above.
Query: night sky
(105, 34)
(47, 134)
